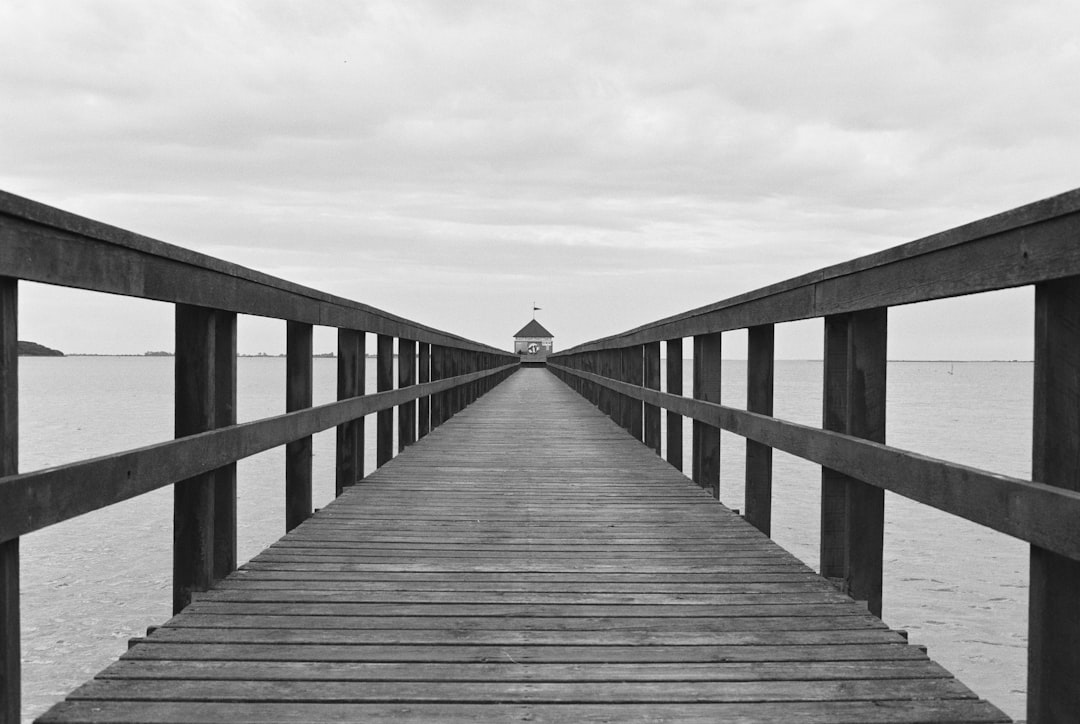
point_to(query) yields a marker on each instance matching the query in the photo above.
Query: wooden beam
(224, 415)
(351, 361)
(864, 550)
(759, 398)
(47, 245)
(406, 378)
(298, 396)
(193, 499)
(1035, 512)
(834, 417)
(424, 403)
(675, 387)
(35, 500)
(634, 368)
(1054, 596)
(652, 381)
(706, 460)
(10, 626)
(384, 419)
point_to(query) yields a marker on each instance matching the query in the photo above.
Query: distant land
(33, 349)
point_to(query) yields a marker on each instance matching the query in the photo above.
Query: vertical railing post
(635, 375)
(853, 512)
(652, 381)
(424, 403)
(706, 462)
(1054, 595)
(384, 381)
(759, 398)
(351, 365)
(205, 362)
(10, 626)
(224, 415)
(438, 371)
(298, 396)
(674, 387)
(406, 378)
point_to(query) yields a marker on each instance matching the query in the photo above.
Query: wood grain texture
(526, 560)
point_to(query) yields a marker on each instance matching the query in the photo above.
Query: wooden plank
(1054, 595)
(351, 359)
(613, 692)
(900, 712)
(298, 396)
(706, 438)
(680, 672)
(759, 398)
(384, 419)
(10, 627)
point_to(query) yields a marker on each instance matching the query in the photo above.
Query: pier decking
(526, 561)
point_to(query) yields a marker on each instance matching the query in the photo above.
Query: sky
(612, 163)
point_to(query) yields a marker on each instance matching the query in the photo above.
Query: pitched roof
(534, 329)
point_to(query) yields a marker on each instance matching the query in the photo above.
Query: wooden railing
(1035, 245)
(438, 375)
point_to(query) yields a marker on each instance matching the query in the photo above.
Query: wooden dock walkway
(527, 561)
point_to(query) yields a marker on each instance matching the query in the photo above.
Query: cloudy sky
(615, 162)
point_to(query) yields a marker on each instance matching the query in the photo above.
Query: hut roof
(534, 329)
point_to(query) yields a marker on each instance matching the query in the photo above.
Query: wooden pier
(527, 561)
(529, 556)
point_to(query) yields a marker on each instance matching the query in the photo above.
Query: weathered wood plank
(899, 712)
(384, 381)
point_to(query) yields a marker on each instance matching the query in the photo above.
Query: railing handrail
(1038, 245)
(1032, 243)
(438, 374)
(1037, 513)
(35, 500)
(44, 244)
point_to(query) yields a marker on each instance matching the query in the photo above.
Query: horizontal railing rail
(1035, 245)
(438, 374)
(36, 500)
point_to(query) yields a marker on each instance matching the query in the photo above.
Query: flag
(536, 308)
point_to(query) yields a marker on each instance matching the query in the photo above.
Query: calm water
(94, 582)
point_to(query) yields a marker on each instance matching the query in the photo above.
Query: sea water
(92, 583)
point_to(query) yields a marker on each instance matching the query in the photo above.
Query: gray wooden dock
(526, 561)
